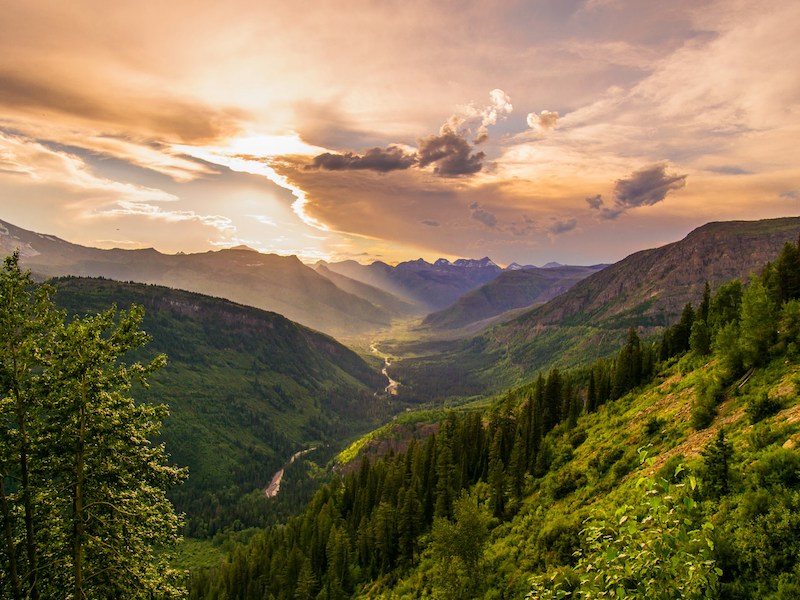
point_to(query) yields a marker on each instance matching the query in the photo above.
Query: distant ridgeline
(541, 484)
(647, 290)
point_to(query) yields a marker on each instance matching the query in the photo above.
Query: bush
(709, 394)
(654, 425)
(761, 406)
(658, 549)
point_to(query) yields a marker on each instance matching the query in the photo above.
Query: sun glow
(262, 145)
(255, 154)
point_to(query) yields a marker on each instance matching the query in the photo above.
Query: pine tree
(716, 462)
(497, 474)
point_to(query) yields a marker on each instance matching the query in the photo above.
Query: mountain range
(517, 287)
(345, 299)
(646, 290)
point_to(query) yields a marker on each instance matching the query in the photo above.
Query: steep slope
(281, 284)
(528, 506)
(646, 290)
(652, 286)
(512, 289)
(246, 388)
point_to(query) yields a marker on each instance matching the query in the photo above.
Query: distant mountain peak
(515, 266)
(471, 263)
(243, 247)
(552, 265)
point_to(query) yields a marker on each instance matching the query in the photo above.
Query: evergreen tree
(497, 474)
(444, 477)
(716, 463)
(705, 304)
(682, 330)
(700, 338)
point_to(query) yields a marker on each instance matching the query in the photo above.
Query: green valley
(246, 389)
(667, 471)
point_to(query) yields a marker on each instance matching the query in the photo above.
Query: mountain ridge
(267, 281)
(646, 290)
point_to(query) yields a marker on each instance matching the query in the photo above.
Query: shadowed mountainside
(246, 388)
(510, 290)
(280, 284)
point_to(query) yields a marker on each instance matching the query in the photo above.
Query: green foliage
(716, 467)
(246, 389)
(709, 394)
(760, 406)
(82, 488)
(457, 547)
(659, 548)
(757, 324)
(700, 338)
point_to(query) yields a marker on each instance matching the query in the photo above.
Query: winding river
(391, 388)
(275, 483)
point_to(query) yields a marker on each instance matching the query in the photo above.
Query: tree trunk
(11, 548)
(24, 443)
(78, 499)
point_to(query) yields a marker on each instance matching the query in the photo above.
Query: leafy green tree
(725, 305)
(27, 320)
(458, 548)
(727, 349)
(789, 328)
(758, 327)
(76, 445)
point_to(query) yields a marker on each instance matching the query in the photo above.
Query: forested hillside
(668, 471)
(246, 390)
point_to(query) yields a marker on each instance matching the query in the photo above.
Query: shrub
(761, 406)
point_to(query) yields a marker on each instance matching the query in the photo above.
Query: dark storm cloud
(646, 187)
(381, 160)
(450, 153)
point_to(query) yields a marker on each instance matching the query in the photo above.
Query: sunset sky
(530, 131)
